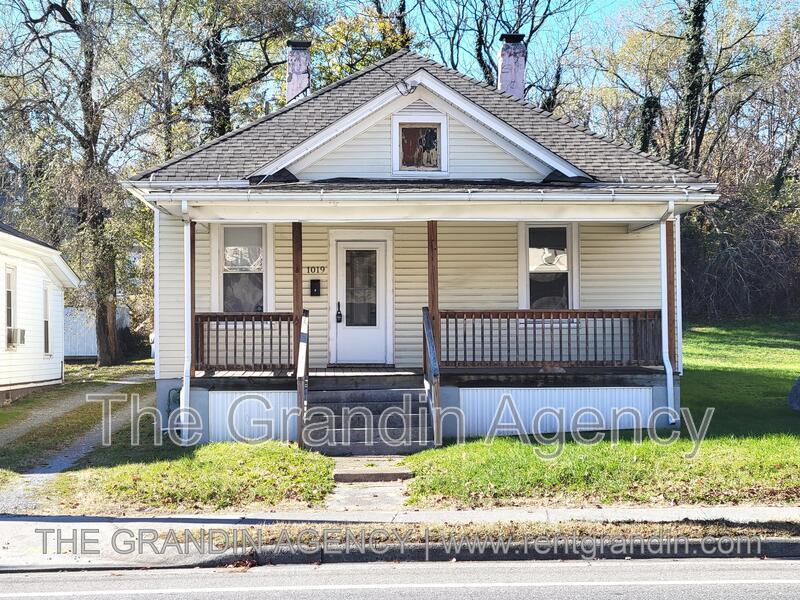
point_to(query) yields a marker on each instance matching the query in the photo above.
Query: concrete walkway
(70, 402)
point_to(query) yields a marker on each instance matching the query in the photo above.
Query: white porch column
(187, 318)
(665, 300)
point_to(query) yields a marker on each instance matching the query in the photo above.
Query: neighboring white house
(34, 279)
(443, 235)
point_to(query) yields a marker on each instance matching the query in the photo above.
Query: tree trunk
(651, 106)
(218, 102)
(692, 81)
(105, 282)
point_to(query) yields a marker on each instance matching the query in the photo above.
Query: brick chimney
(511, 69)
(298, 74)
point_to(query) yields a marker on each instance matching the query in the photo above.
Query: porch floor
(386, 377)
(330, 371)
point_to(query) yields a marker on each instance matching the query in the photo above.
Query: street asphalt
(690, 579)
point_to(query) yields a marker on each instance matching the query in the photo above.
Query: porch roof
(337, 200)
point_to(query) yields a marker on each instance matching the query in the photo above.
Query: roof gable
(368, 154)
(443, 101)
(247, 150)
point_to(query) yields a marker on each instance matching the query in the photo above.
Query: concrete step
(364, 382)
(397, 395)
(357, 435)
(363, 449)
(371, 469)
(375, 408)
(359, 419)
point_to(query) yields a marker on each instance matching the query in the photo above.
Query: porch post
(188, 360)
(297, 283)
(433, 284)
(193, 244)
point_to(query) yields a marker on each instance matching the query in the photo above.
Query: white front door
(360, 307)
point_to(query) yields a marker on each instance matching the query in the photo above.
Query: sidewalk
(21, 546)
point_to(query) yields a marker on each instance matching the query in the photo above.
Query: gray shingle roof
(239, 153)
(23, 236)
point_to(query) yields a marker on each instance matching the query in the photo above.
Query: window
(419, 144)
(243, 269)
(420, 147)
(11, 306)
(46, 318)
(548, 268)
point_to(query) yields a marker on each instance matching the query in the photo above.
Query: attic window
(420, 146)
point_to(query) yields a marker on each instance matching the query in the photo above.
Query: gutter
(665, 302)
(199, 198)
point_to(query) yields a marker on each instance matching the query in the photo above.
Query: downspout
(668, 370)
(187, 318)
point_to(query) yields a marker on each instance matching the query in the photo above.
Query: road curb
(564, 549)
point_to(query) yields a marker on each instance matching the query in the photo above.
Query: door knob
(338, 312)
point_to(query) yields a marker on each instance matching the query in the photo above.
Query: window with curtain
(548, 268)
(420, 147)
(11, 298)
(243, 269)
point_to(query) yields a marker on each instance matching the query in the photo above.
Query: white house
(34, 279)
(443, 236)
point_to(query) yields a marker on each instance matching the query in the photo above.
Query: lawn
(78, 377)
(209, 477)
(752, 455)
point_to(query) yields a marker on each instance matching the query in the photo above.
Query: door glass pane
(361, 275)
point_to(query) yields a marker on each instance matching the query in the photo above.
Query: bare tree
(65, 69)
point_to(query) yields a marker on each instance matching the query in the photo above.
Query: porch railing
(431, 375)
(565, 338)
(244, 341)
(301, 375)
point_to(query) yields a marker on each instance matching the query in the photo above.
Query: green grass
(78, 378)
(88, 372)
(752, 455)
(212, 476)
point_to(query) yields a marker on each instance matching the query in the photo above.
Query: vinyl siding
(170, 296)
(27, 362)
(619, 269)
(477, 270)
(368, 155)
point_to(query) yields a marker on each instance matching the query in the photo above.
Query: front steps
(367, 422)
(369, 469)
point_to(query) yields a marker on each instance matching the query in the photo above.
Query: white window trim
(217, 260)
(420, 119)
(573, 245)
(14, 305)
(47, 314)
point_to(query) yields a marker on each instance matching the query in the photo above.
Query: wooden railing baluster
(593, 337)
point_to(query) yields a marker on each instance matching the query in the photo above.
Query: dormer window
(419, 145)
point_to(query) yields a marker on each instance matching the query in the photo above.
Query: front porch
(436, 336)
(481, 325)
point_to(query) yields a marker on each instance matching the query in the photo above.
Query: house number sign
(316, 270)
